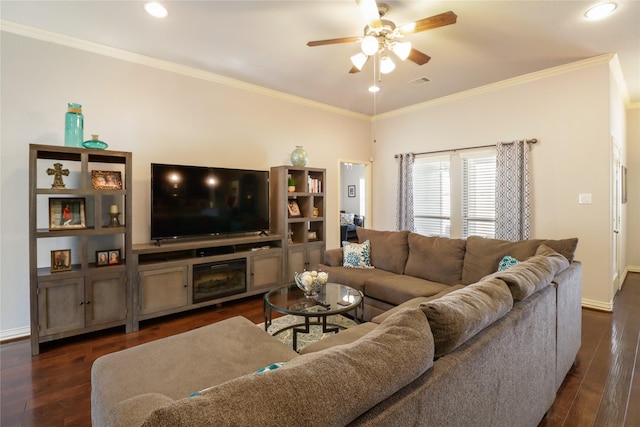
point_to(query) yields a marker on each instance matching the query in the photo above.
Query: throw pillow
(271, 367)
(507, 262)
(356, 255)
(346, 218)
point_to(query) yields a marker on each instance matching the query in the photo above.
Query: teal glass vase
(73, 126)
(299, 157)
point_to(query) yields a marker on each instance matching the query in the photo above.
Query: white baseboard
(11, 334)
(597, 305)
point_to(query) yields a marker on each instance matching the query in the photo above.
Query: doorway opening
(355, 199)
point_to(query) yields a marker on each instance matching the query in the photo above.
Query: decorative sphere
(299, 157)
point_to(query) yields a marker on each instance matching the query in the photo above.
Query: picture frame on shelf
(102, 258)
(294, 209)
(351, 191)
(60, 260)
(313, 235)
(106, 180)
(114, 257)
(67, 213)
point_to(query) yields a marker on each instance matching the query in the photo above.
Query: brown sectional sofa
(491, 353)
(409, 265)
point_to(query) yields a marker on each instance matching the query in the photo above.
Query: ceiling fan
(382, 37)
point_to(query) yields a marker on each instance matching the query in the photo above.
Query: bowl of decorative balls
(311, 282)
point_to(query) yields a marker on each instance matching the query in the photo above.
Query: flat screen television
(192, 201)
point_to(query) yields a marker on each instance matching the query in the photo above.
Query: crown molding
(100, 49)
(515, 81)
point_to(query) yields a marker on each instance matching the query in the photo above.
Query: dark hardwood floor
(53, 388)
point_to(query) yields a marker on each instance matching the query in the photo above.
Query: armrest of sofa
(333, 257)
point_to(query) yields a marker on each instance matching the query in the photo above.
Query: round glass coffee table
(332, 299)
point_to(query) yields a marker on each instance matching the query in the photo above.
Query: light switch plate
(584, 198)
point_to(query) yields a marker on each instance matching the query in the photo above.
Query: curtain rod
(529, 141)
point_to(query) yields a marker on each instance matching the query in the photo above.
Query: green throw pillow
(356, 255)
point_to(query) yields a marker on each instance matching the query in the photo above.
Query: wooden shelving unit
(86, 296)
(305, 235)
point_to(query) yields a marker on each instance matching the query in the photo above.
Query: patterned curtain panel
(404, 213)
(513, 201)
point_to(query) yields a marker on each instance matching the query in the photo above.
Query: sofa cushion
(389, 249)
(323, 388)
(461, 314)
(413, 302)
(356, 255)
(535, 273)
(346, 336)
(438, 259)
(398, 288)
(223, 351)
(483, 255)
(353, 277)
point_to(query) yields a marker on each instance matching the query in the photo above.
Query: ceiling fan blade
(370, 11)
(418, 57)
(446, 18)
(334, 41)
(355, 69)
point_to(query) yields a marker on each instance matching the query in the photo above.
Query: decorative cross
(57, 173)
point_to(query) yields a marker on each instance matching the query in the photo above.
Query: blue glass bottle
(74, 124)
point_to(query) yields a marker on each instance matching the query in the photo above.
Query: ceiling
(264, 42)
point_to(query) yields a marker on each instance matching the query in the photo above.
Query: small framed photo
(66, 213)
(102, 258)
(114, 256)
(60, 260)
(106, 180)
(313, 235)
(294, 209)
(351, 191)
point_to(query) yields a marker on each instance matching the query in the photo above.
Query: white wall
(633, 185)
(568, 111)
(160, 116)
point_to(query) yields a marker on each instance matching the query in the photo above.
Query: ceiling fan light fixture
(600, 11)
(358, 60)
(369, 45)
(386, 65)
(374, 89)
(401, 49)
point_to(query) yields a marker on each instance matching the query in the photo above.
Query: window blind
(432, 196)
(478, 195)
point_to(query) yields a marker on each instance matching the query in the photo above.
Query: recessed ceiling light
(374, 89)
(600, 11)
(155, 9)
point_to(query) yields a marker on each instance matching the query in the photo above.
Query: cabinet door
(296, 259)
(266, 271)
(163, 289)
(315, 255)
(60, 306)
(105, 299)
